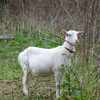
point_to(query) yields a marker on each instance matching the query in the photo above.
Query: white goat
(45, 62)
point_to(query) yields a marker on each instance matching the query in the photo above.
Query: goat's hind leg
(25, 82)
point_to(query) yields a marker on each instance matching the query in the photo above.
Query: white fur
(44, 62)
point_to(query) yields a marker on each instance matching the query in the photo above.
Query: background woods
(32, 22)
(79, 15)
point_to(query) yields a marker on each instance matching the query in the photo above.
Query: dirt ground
(43, 88)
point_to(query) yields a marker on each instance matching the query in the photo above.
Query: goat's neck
(67, 45)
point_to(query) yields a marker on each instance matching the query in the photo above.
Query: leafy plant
(72, 89)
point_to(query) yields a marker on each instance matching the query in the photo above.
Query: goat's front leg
(58, 79)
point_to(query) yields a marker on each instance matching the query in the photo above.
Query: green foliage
(72, 88)
(81, 80)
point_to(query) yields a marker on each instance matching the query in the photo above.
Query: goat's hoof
(58, 97)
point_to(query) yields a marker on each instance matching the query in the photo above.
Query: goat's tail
(24, 61)
(21, 59)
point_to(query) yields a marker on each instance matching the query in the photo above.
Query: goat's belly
(41, 73)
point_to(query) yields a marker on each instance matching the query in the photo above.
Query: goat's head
(72, 36)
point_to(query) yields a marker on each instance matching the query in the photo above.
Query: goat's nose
(77, 41)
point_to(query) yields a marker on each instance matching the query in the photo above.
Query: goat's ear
(64, 32)
(80, 32)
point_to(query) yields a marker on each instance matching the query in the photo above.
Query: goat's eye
(69, 35)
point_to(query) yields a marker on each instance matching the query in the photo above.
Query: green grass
(82, 75)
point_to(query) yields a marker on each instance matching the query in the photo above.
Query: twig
(55, 16)
(67, 12)
(35, 85)
(92, 55)
(49, 40)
